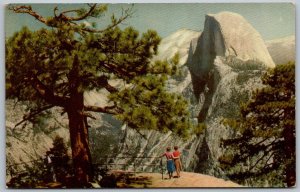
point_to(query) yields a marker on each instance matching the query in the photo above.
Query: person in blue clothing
(170, 162)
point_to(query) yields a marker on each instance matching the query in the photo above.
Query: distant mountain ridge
(282, 50)
(177, 42)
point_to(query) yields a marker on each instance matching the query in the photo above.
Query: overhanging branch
(88, 13)
(33, 113)
(114, 110)
(46, 93)
(103, 82)
(28, 10)
(125, 14)
(72, 20)
(110, 88)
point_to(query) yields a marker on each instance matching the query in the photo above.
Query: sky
(271, 20)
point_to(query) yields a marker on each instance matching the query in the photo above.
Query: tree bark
(81, 155)
(290, 143)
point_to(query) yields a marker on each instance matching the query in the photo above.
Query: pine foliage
(49, 55)
(55, 65)
(264, 144)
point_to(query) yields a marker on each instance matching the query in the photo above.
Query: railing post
(11, 171)
(161, 167)
(134, 168)
(106, 163)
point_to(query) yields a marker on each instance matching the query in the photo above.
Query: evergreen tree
(55, 65)
(264, 144)
(59, 159)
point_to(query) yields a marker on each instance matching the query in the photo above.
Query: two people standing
(173, 161)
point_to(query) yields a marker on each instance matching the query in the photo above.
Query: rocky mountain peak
(231, 37)
(177, 42)
(241, 39)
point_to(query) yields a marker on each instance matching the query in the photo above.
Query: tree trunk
(290, 144)
(79, 140)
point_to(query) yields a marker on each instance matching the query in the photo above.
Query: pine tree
(59, 159)
(55, 65)
(264, 144)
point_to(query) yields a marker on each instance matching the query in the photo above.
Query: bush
(39, 173)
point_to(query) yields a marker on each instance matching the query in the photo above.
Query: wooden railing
(130, 164)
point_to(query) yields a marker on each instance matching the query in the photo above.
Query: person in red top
(170, 163)
(176, 157)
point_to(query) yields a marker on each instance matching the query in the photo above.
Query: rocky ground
(186, 180)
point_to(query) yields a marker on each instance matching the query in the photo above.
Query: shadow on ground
(125, 180)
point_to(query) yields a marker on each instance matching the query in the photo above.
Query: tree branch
(92, 8)
(266, 152)
(45, 93)
(266, 164)
(114, 110)
(125, 14)
(70, 20)
(120, 20)
(88, 115)
(110, 88)
(257, 161)
(103, 82)
(256, 146)
(28, 10)
(27, 117)
(119, 71)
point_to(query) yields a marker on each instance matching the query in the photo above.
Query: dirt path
(187, 180)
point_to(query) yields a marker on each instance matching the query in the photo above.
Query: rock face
(29, 141)
(226, 64)
(226, 35)
(223, 67)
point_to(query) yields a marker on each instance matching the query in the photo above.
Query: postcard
(150, 95)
